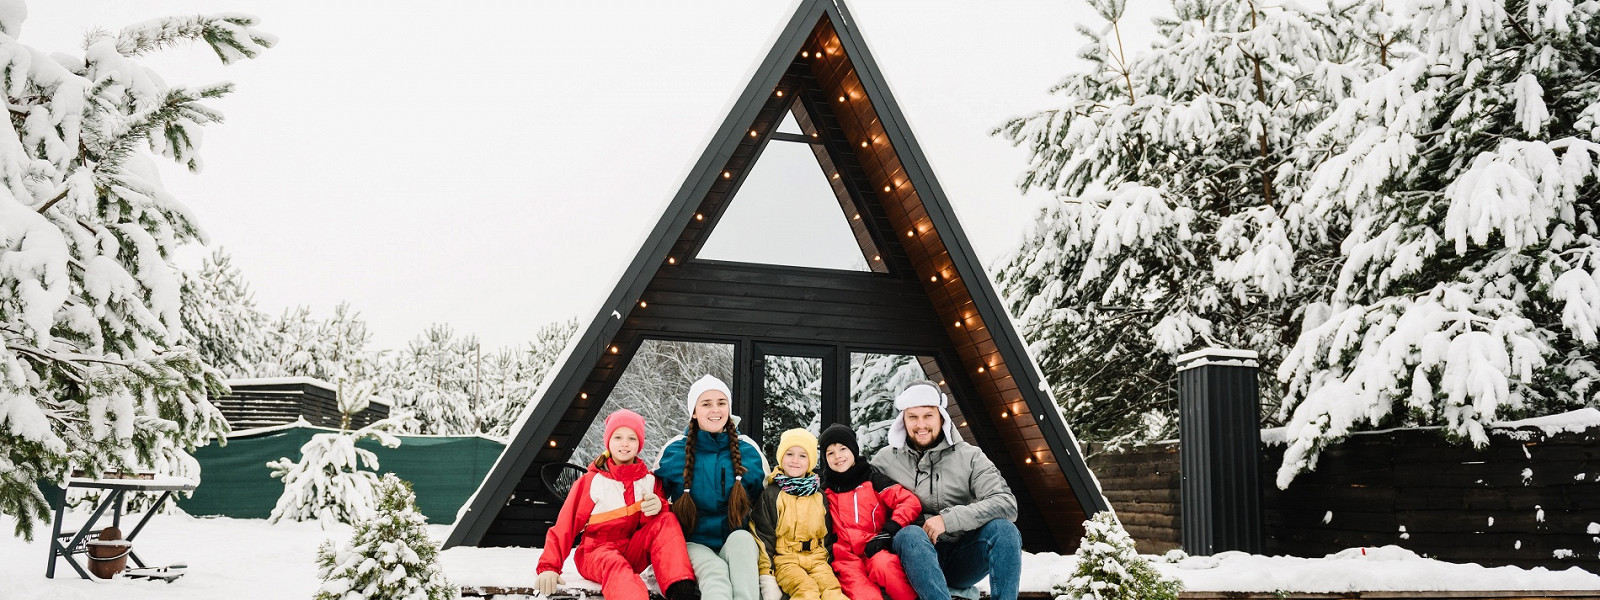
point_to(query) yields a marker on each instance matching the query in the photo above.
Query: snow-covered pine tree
(1470, 288)
(389, 557)
(299, 345)
(435, 378)
(1109, 568)
(1174, 228)
(92, 375)
(220, 318)
(654, 385)
(513, 376)
(875, 379)
(329, 482)
(793, 397)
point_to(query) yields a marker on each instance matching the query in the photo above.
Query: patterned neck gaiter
(804, 485)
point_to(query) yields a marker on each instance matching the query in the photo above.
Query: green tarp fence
(235, 481)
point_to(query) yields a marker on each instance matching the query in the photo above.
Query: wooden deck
(508, 592)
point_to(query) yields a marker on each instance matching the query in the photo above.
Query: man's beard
(912, 441)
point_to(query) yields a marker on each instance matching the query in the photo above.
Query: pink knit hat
(624, 418)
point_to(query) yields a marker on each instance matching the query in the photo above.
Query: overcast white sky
(492, 165)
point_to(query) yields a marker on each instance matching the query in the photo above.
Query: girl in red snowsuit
(866, 509)
(618, 506)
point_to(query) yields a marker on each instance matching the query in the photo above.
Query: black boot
(684, 590)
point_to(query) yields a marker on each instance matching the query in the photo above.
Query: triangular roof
(928, 293)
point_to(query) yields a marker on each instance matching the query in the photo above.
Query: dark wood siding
(1527, 499)
(263, 405)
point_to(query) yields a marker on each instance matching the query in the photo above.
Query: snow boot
(683, 590)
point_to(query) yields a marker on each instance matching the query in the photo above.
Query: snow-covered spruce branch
(231, 36)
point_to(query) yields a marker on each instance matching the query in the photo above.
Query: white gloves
(547, 582)
(650, 505)
(770, 589)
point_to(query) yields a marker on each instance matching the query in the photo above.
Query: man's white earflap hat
(706, 384)
(921, 393)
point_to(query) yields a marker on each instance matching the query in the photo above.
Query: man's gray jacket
(957, 482)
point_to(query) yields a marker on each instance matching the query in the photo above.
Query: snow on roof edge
(301, 380)
(296, 380)
(1573, 421)
(302, 423)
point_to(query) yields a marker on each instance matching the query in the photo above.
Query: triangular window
(786, 212)
(789, 125)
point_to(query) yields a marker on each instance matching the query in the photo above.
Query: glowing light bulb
(876, 257)
(699, 217)
(552, 443)
(780, 93)
(671, 260)
(841, 98)
(584, 395)
(643, 304)
(727, 175)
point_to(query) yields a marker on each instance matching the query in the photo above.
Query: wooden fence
(1527, 499)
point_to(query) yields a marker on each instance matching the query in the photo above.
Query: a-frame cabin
(924, 293)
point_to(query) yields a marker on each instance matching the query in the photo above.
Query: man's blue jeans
(993, 550)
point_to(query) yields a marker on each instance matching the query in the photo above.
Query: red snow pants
(616, 565)
(861, 579)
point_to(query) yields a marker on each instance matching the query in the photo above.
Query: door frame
(835, 388)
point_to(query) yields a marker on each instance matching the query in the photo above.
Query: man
(968, 510)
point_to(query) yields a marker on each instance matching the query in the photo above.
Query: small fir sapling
(329, 482)
(1109, 568)
(389, 557)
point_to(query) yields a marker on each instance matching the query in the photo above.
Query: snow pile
(227, 558)
(1575, 421)
(276, 562)
(1389, 568)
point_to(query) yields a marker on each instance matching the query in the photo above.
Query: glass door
(795, 386)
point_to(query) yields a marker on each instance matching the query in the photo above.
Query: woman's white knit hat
(706, 384)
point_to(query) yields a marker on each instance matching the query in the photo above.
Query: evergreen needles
(389, 557)
(1110, 569)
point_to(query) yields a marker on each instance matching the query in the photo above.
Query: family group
(926, 517)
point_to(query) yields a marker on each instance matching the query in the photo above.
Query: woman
(710, 475)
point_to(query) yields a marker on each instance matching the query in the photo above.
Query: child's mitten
(881, 542)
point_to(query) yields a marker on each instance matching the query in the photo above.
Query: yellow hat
(790, 439)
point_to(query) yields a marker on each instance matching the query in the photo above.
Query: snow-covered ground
(249, 558)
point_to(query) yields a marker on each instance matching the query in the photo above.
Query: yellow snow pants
(807, 576)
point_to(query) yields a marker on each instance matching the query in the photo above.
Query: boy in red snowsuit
(619, 509)
(866, 509)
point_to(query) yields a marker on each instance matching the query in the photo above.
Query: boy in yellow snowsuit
(790, 521)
